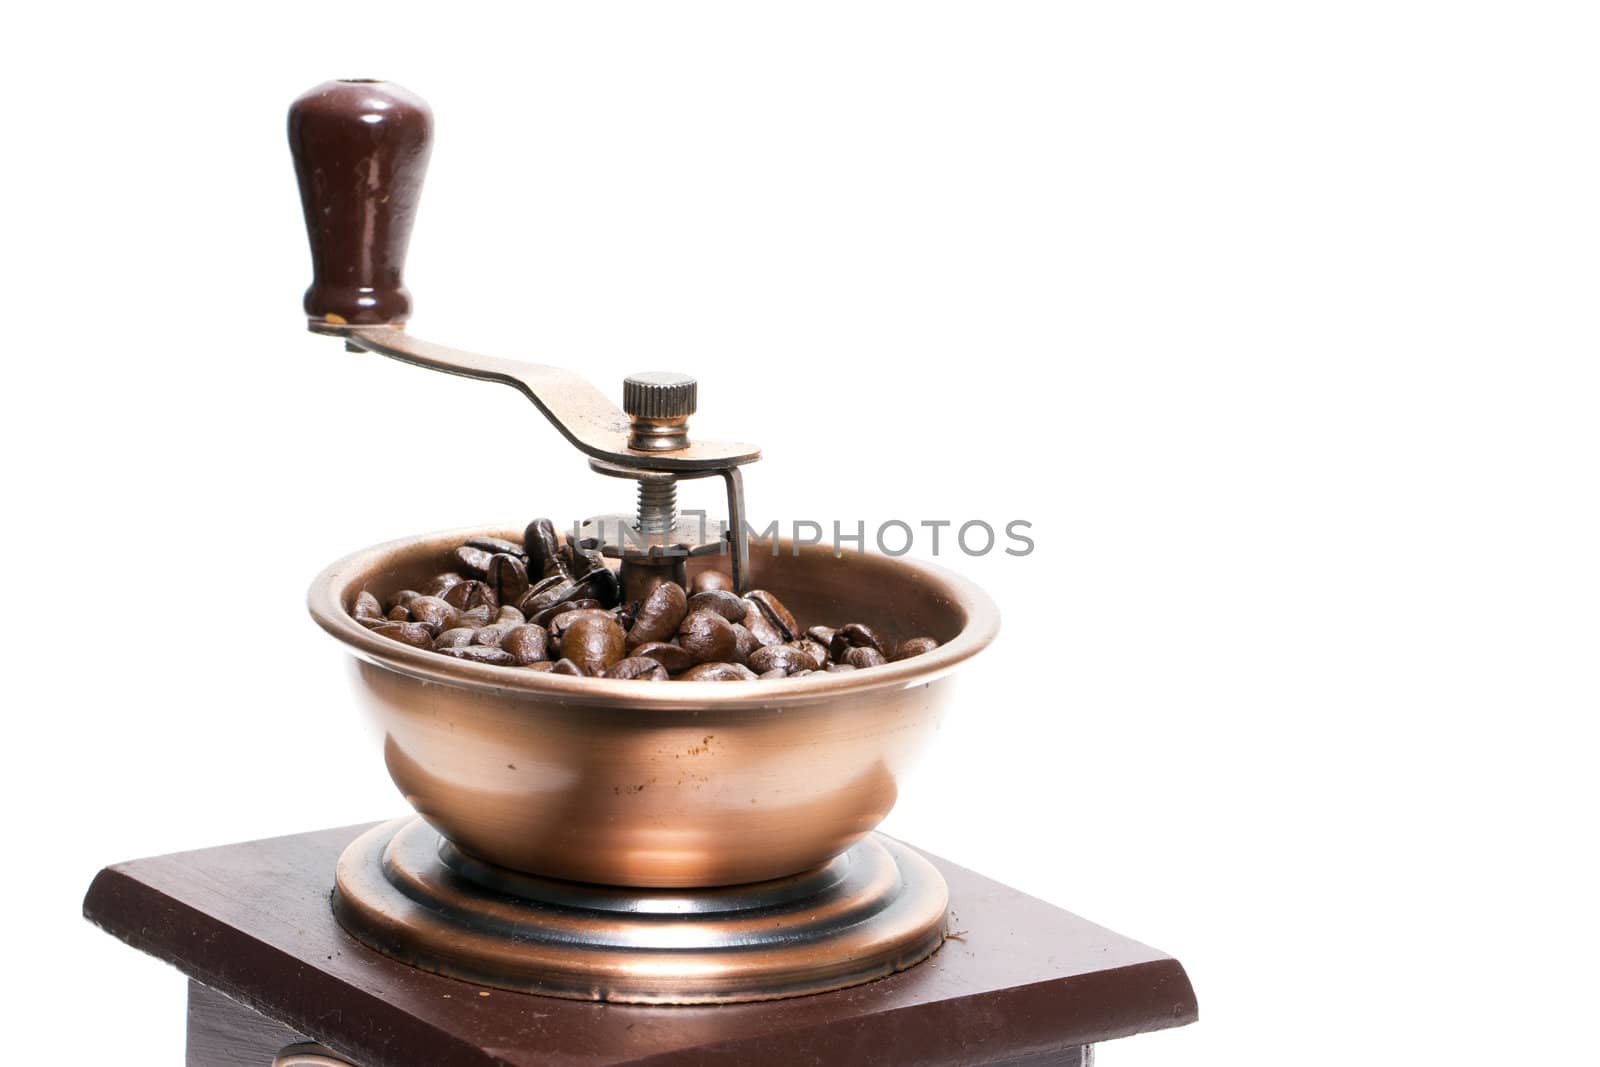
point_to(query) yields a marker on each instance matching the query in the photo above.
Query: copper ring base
(875, 909)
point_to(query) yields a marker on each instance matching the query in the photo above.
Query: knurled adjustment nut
(659, 395)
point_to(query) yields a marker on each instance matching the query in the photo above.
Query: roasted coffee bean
(367, 606)
(527, 644)
(602, 585)
(718, 672)
(641, 668)
(501, 607)
(544, 617)
(744, 643)
(495, 545)
(594, 641)
(659, 615)
(544, 593)
(471, 594)
(475, 617)
(412, 633)
(540, 543)
(508, 577)
(455, 638)
(562, 622)
(438, 615)
(863, 656)
(707, 636)
(817, 652)
(914, 646)
(761, 627)
(706, 581)
(670, 656)
(728, 605)
(775, 612)
(480, 654)
(440, 584)
(786, 657)
(492, 634)
(854, 635)
(774, 673)
(473, 562)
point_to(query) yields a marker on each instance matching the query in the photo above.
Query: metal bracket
(582, 413)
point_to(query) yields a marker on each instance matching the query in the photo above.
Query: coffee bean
(761, 627)
(438, 615)
(707, 636)
(544, 593)
(560, 623)
(775, 612)
(440, 584)
(642, 668)
(854, 635)
(473, 562)
(527, 644)
(518, 605)
(706, 581)
(817, 652)
(412, 633)
(593, 641)
(774, 673)
(730, 607)
(455, 638)
(744, 643)
(492, 634)
(367, 606)
(601, 584)
(785, 657)
(718, 672)
(403, 598)
(545, 617)
(495, 545)
(670, 656)
(470, 594)
(508, 577)
(822, 635)
(659, 615)
(480, 654)
(475, 617)
(914, 646)
(864, 656)
(540, 543)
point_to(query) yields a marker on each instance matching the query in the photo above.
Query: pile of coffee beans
(545, 605)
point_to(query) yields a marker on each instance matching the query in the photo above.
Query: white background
(1276, 320)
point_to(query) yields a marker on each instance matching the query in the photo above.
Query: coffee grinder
(702, 855)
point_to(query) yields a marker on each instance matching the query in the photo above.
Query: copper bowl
(661, 784)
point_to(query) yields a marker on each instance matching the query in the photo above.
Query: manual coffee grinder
(613, 871)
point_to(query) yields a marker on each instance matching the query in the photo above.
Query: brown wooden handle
(361, 151)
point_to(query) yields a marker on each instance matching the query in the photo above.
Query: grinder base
(875, 909)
